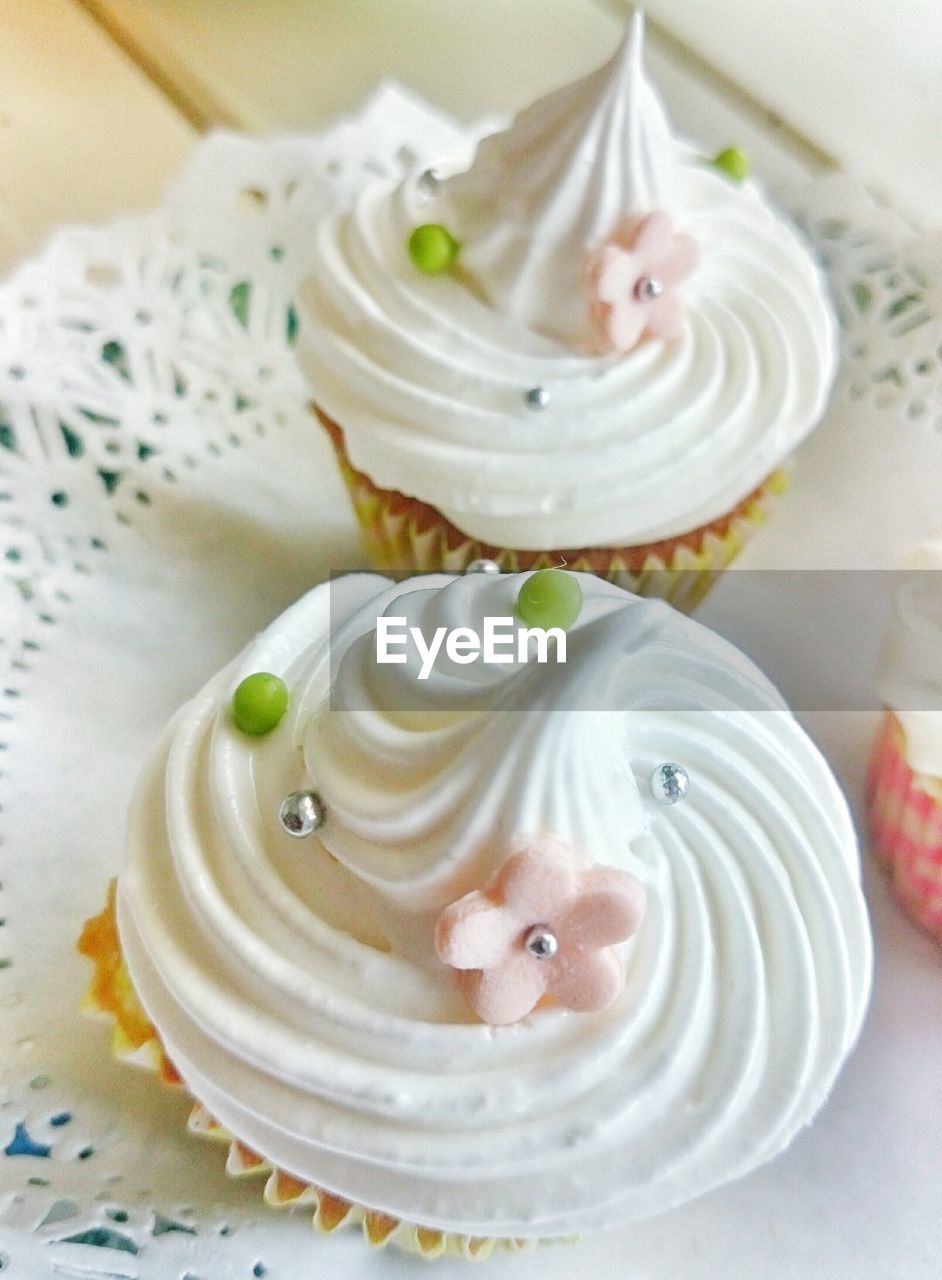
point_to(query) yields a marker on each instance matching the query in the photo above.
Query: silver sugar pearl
(483, 566)
(302, 813)
(429, 183)
(647, 289)
(669, 783)
(537, 399)
(541, 942)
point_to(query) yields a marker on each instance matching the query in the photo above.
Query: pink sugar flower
(541, 927)
(633, 279)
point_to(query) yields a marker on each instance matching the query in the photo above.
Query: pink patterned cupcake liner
(905, 811)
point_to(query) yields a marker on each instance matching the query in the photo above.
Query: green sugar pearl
(550, 598)
(432, 248)
(259, 703)
(733, 162)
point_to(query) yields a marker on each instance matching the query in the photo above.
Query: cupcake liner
(905, 811)
(137, 1041)
(402, 533)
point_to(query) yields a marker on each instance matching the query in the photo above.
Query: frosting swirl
(428, 376)
(297, 988)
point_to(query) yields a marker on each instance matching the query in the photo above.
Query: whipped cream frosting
(427, 376)
(295, 983)
(541, 194)
(909, 674)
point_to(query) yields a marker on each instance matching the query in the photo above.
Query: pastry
(594, 346)
(905, 778)
(505, 951)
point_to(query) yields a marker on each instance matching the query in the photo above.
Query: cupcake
(473, 952)
(594, 346)
(905, 778)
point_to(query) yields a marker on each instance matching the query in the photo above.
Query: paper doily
(163, 494)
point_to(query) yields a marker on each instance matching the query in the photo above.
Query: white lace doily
(163, 493)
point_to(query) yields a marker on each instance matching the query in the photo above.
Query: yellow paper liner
(136, 1040)
(402, 533)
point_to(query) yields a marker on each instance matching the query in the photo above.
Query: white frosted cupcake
(560, 945)
(905, 780)
(592, 345)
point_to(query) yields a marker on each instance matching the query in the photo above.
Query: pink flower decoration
(633, 279)
(495, 936)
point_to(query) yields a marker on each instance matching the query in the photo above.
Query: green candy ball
(733, 162)
(550, 598)
(432, 248)
(259, 703)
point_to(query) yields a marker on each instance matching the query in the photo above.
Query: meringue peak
(542, 193)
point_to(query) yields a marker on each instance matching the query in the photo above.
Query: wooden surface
(100, 100)
(294, 65)
(83, 134)
(861, 78)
